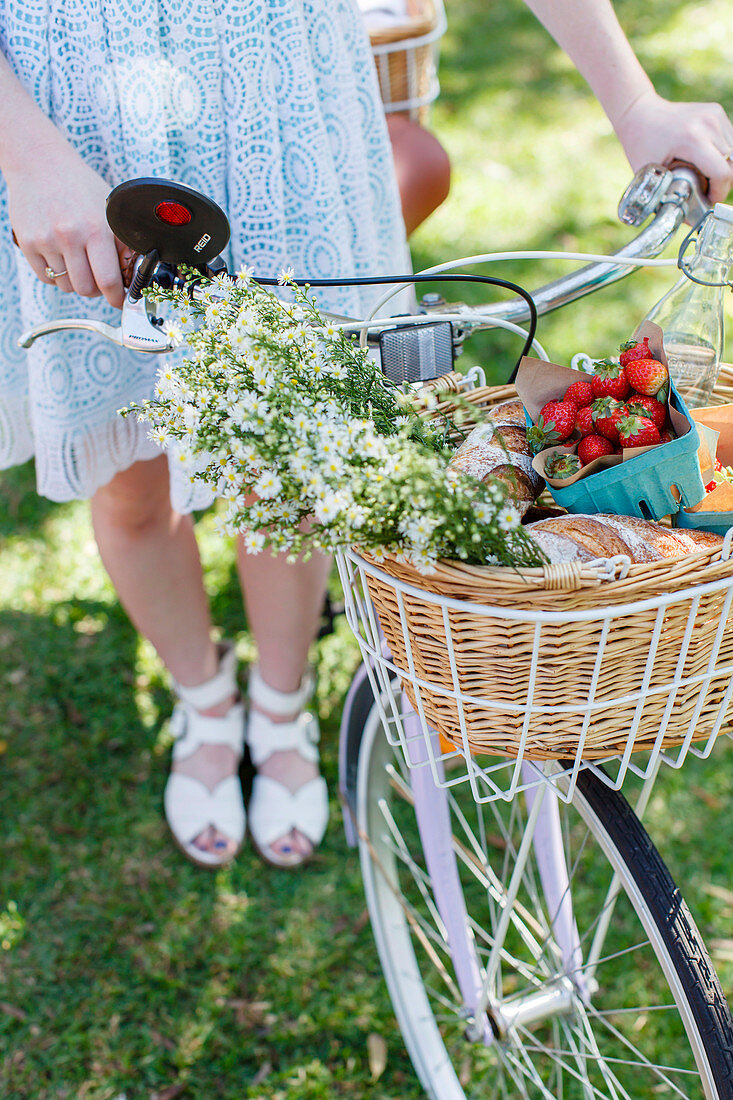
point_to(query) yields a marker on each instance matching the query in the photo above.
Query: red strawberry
(609, 380)
(638, 431)
(632, 349)
(710, 486)
(647, 376)
(580, 393)
(561, 465)
(594, 446)
(554, 424)
(562, 414)
(718, 465)
(584, 420)
(667, 435)
(606, 415)
(640, 404)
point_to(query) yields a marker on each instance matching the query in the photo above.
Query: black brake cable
(442, 277)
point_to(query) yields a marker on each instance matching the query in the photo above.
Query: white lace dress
(268, 106)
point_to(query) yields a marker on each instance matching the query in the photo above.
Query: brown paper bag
(716, 441)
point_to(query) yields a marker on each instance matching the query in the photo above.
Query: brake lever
(136, 330)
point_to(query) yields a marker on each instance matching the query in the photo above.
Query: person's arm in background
(56, 202)
(650, 128)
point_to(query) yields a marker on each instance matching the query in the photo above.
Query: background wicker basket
(406, 58)
(588, 684)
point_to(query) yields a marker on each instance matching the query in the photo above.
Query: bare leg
(151, 556)
(422, 167)
(284, 603)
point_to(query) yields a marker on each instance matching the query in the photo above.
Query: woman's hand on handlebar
(656, 130)
(57, 211)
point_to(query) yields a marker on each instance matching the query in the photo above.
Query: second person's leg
(284, 602)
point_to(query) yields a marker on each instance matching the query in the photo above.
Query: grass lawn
(125, 972)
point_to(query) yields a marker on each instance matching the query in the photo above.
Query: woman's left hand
(656, 130)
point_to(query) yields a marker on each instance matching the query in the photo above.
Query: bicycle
(507, 899)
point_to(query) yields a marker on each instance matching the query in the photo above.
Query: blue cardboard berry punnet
(717, 522)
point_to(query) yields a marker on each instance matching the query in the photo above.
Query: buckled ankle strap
(265, 737)
(218, 688)
(281, 704)
(191, 730)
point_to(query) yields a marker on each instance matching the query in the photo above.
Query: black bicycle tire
(675, 922)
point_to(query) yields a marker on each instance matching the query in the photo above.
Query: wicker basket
(723, 394)
(557, 662)
(406, 58)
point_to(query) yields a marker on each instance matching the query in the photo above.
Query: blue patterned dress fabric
(270, 107)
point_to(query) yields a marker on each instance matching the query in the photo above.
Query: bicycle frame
(671, 196)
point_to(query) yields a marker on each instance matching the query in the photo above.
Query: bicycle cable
(408, 280)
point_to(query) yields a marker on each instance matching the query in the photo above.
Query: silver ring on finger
(51, 274)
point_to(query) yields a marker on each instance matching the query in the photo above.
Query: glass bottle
(691, 315)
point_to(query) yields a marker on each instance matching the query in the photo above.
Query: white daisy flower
(260, 513)
(253, 541)
(355, 516)
(223, 283)
(159, 435)
(243, 276)
(423, 560)
(173, 332)
(327, 509)
(508, 518)
(483, 513)
(268, 485)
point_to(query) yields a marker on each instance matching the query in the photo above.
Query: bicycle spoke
(421, 880)
(549, 942)
(643, 1061)
(572, 1071)
(608, 958)
(528, 1070)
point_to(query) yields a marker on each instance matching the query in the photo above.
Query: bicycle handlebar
(670, 195)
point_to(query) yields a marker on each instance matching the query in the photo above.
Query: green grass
(124, 971)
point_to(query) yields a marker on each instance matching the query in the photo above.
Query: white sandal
(190, 807)
(273, 810)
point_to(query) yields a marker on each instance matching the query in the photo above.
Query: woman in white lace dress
(271, 108)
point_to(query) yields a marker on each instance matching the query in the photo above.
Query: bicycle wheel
(639, 1017)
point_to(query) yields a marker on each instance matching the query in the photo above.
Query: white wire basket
(654, 710)
(406, 52)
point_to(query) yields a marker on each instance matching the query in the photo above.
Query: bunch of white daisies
(309, 445)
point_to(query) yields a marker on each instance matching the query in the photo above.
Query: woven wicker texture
(579, 686)
(723, 394)
(407, 74)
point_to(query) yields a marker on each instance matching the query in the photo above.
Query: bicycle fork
(488, 1017)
